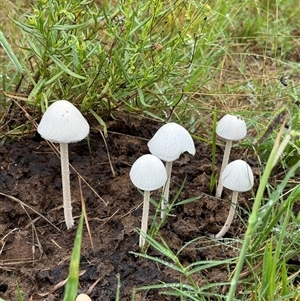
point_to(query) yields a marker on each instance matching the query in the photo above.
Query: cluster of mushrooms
(236, 176)
(148, 172)
(169, 142)
(63, 123)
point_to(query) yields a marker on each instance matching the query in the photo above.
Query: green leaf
(73, 278)
(20, 297)
(284, 280)
(65, 68)
(6, 46)
(37, 88)
(101, 122)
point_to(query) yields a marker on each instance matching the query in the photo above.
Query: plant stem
(144, 218)
(224, 164)
(230, 215)
(65, 174)
(165, 200)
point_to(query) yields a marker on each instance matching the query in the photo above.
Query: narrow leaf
(6, 46)
(65, 68)
(73, 278)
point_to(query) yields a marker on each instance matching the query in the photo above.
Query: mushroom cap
(148, 173)
(231, 127)
(237, 176)
(83, 297)
(170, 141)
(63, 123)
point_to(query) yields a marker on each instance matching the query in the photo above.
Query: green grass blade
(20, 297)
(118, 288)
(284, 280)
(63, 67)
(267, 272)
(73, 278)
(252, 222)
(6, 46)
(54, 78)
(36, 90)
(101, 122)
(267, 227)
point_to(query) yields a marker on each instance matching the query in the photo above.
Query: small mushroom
(231, 128)
(147, 173)
(168, 143)
(63, 123)
(238, 177)
(83, 297)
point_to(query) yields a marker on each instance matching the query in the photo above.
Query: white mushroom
(238, 177)
(231, 128)
(147, 173)
(63, 123)
(168, 143)
(83, 297)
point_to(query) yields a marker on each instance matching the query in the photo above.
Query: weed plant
(160, 59)
(107, 57)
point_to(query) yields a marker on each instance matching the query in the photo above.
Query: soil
(35, 245)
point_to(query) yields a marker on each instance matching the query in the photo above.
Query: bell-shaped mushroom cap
(231, 127)
(148, 173)
(237, 176)
(170, 141)
(63, 123)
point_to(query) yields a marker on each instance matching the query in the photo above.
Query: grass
(73, 277)
(270, 241)
(186, 61)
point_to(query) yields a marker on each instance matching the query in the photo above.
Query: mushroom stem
(230, 215)
(166, 189)
(65, 173)
(144, 218)
(224, 164)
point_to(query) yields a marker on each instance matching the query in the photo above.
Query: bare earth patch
(36, 254)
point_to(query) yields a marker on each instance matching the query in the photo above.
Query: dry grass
(10, 10)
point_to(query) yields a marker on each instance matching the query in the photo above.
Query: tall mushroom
(238, 177)
(168, 143)
(63, 123)
(147, 173)
(231, 128)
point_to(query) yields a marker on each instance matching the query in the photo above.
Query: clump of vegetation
(109, 57)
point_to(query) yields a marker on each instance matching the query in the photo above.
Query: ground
(35, 245)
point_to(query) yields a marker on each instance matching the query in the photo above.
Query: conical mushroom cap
(63, 123)
(148, 173)
(170, 141)
(231, 127)
(237, 176)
